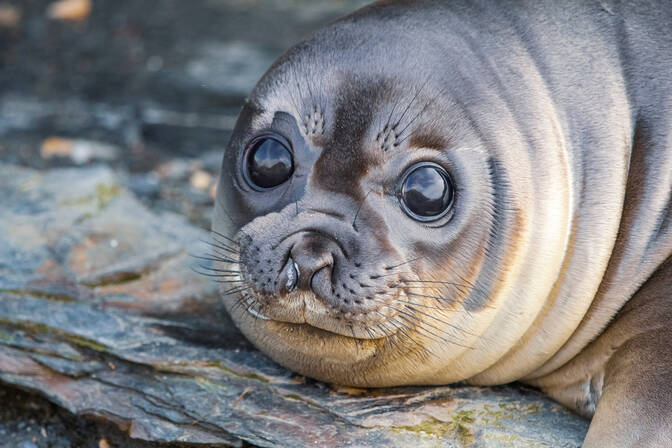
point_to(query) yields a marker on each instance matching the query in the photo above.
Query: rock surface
(101, 313)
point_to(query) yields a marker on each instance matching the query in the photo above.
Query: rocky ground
(139, 97)
(30, 421)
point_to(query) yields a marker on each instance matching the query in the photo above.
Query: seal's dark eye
(426, 192)
(268, 163)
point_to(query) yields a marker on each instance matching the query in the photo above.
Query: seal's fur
(554, 120)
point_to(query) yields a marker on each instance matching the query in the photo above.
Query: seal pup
(427, 192)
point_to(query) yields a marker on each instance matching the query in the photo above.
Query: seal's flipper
(635, 407)
(625, 376)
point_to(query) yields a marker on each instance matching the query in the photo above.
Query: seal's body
(426, 192)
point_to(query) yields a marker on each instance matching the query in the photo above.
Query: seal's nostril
(292, 276)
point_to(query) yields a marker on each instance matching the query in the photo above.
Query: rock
(147, 185)
(178, 169)
(70, 10)
(201, 180)
(10, 16)
(56, 147)
(101, 313)
(230, 66)
(79, 151)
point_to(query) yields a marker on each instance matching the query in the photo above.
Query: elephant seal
(427, 192)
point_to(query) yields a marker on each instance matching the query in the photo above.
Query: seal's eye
(426, 192)
(268, 163)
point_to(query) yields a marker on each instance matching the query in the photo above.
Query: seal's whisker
(427, 323)
(209, 271)
(249, 305)
(254, 308)
(419, 114)
(422, 287)
(411, 302)
(440, 299)
(399, 327)
(206, 274)
(408, 106)
(352, 330)
(208, 268)
(434, 281)
(410, 307)
(368, 331)
(229, 239)
(310, 90)
(293, 98)
(235, 290)
(421, 305)
(452, 310)
(214, 258)
(464, 289)
(388, 268)
(239, 302)
(461, 288)
(419, 326)
(415, 304)
(414, 324)
(377, 276)
(221, 247)
(216, 253)
(393, 339)
(403, 329)
(394, 107)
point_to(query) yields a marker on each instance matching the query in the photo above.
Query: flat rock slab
(101, 311)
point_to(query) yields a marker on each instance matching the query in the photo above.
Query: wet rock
(147, 185)
(70, 10)
(10, 16)
(19, 415)
(234, 66)
(79, 151)
(201, 180)
(101, 313)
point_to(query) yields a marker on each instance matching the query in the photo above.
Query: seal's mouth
(311, 282)
(305, 309)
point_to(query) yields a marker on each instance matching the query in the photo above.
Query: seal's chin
(304, 308)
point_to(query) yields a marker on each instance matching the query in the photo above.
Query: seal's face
(368, 231)
(327, 259)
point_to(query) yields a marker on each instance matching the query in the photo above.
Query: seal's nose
(292, 275)
(308, 265)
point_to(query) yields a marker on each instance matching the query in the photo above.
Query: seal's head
(374, 210)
